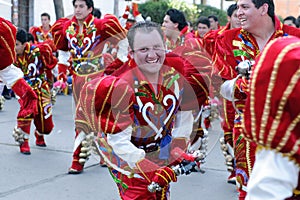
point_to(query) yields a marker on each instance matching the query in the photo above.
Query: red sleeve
(33, 31)
(113, 66)
(241, 90)
(46, 55)
(7, 43)
(195, 87)
(105, 104)
(209, 41)
(59, 33)
(194, 43)
(271, 116)
(111, 29)
(291, 30)
(224, 61)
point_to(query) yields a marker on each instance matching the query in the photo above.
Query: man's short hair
(30, 38)
(45, 15)
(203, 20)
(271, 9)
(213, 17)
(97, 13)
(89, 3)
(231, 9)
(21, 35)
(292, 18)
(176, 16)
(144, 26)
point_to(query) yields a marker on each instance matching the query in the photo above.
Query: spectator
(203, 26)
(214, 22)
(290, 21)
(97, 13)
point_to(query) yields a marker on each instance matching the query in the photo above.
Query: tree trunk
(222, 5)
(116, 8)
(59, 9)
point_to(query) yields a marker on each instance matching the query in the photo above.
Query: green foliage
(280, 18)
(190, 11)
(157, 10)
(204, 10)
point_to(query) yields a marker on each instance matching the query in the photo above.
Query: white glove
(123, 50)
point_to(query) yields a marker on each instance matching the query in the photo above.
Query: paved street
(43, 174)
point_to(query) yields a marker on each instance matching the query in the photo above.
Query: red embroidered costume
(233, 47)
(86, 51)
(9, 74)
(34, 62)
(40, 35)
(272, 121)
(125, 105)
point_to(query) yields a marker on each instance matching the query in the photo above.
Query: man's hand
(57, 87)
(244, 68)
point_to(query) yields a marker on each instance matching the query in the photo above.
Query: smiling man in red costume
(239, 47)
(143, 113)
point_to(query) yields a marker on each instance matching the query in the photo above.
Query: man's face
(213, 24)
(19, 48)
(81, 11)
(45, 21)
(202, 29)
(234, 20)
(169, 27)
(248, 15)
(149, 52)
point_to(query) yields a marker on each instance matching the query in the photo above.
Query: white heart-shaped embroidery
(150, 105)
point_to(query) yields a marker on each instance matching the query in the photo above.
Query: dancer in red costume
(34, 60)
(143, 113)
(10, 74)
(41, 34)
(176, 32)
(228, 112)
(272, 122)
(84, 36)
(239, 48)
(175, 28)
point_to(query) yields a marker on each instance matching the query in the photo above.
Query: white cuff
(183, 125)
(123, 147)
(139, 18)
(123, 50)
(273, 177)
(227, 88)
(10, 75)
(63, 57)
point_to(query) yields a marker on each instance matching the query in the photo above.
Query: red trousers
(228, 123)
(136, 188)
(43, 120)
(244, 152)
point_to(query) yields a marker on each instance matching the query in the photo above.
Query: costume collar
(87, 22)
